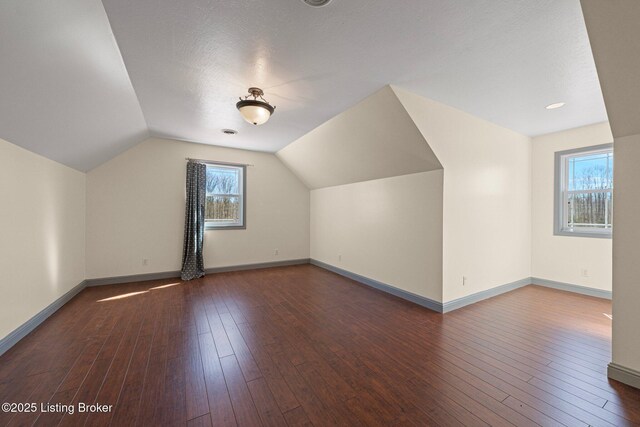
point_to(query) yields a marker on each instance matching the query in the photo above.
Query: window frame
(560, 189)
(243, 198)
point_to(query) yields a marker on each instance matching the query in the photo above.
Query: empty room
(319, 213)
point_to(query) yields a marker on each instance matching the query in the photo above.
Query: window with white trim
(584, 196)
(225, 203)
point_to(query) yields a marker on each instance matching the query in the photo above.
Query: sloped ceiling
(64, 90)
(374, 139)
(500, 60)
(615, 37)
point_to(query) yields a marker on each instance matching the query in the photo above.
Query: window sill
(226, 227)
(583, 234)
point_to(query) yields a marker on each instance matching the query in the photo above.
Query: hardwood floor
(303, 346)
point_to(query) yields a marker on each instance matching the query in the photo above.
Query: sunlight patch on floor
(132, 294)
(117, 297)
(165, 286)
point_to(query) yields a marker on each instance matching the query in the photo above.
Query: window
(584, 192)
(225, 205)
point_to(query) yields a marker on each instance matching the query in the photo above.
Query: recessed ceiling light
(229, 131)
(317, 3)
(554, 106)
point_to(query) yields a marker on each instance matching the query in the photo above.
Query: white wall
(562, 258)
(487, 196)
(42, 233)
(626, 253)
(388, 230)
(135, 210)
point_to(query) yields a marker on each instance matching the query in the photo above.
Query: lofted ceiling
(67, 95)
(378, 135)
(64, 90)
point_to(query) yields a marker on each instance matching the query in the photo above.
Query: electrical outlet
(464, 280)
(276, 252)
(339, 257)
(145, 261)
(584, 272)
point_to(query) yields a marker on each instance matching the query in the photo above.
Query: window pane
(591, 172)
(221, 209)
(590, 210)
(223, 180)
(584, 181)
(225, 198)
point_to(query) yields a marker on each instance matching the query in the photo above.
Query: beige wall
(42, 224)
(626, 253)
(562, 258)
(614, 33)
(487, 196)
(374, 139)
(135, 210)
(388, 230)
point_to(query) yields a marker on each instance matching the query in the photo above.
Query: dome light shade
(317, 3)
(256, 111)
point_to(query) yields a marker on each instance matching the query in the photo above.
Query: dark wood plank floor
(303, 346)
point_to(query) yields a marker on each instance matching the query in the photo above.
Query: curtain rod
(215, 162)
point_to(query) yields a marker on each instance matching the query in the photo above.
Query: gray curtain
(192, 261)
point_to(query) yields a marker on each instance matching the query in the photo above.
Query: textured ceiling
(501, 60)
(66, 93)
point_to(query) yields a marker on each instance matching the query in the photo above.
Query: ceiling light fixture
(317, 3)
(255, 111)
(554, 106)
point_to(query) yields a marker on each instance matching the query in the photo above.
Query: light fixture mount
(257, 110)
(555, 106)
(317, 3)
